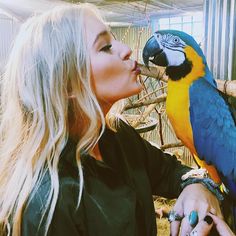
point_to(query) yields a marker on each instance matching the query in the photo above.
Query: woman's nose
(125, 52)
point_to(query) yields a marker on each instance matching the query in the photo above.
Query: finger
(186, 228)
(213, 211)
(215, 219)
(203, 228)
(216, 211)
(205, 208)
(174, 228)
(189, 207)
(221, 226)
(175, 225)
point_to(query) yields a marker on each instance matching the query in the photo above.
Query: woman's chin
(139, 86)
(136, 90)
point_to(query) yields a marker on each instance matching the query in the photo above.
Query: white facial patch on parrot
(173, 47)
(174, 57)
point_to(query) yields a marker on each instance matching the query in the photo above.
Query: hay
(162, 206)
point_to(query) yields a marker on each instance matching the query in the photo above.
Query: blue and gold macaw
(200, 115)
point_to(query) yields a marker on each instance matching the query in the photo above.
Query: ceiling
(118, 13)
(140, 12)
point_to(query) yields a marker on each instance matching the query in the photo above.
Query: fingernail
(208, 219)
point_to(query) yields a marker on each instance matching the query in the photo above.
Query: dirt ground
(163, 205)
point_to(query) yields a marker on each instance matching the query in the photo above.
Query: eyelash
(107, 48)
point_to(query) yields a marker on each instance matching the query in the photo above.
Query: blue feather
(214, 130)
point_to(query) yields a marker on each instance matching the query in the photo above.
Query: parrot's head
(175, 50)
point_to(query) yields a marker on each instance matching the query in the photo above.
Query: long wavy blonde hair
(49, 61)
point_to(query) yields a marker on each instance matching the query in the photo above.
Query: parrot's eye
(158, 36)
(176, 40)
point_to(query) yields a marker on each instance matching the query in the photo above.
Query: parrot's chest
(177, 109)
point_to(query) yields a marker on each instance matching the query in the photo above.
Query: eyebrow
(103, 33)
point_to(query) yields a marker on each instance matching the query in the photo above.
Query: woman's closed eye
(106, 48)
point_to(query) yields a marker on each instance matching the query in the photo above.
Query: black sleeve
(163, 170)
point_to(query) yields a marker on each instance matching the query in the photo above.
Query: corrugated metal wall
(220, 37)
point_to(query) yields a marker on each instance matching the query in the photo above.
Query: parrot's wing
(213, 126)
(232, 104)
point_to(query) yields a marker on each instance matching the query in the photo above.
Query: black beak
(152, 49)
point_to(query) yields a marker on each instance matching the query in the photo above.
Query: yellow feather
(177, 107)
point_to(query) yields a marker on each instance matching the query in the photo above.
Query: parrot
(199, 113)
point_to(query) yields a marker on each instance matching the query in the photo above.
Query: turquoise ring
(193, 218)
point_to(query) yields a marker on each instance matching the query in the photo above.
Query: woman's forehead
(95, 28)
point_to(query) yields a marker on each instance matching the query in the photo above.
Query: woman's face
(114, 75)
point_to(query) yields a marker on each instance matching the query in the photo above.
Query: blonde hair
(49, 56)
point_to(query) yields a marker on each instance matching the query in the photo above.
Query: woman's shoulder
(126, 130)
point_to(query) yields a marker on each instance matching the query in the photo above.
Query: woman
(65, 169)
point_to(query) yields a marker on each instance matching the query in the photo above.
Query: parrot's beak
(153, 52)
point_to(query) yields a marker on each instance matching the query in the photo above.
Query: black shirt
(117, 193)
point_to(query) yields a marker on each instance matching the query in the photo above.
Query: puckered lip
(136, 68)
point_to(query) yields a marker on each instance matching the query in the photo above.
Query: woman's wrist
(201, 176)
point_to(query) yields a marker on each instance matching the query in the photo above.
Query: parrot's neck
(208, 76)
(193, 68)
(178, 72)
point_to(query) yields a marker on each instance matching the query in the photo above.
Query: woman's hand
(194, 197)
(203, 228)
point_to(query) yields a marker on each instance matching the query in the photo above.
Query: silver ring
(193, 218)
(174, 216)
